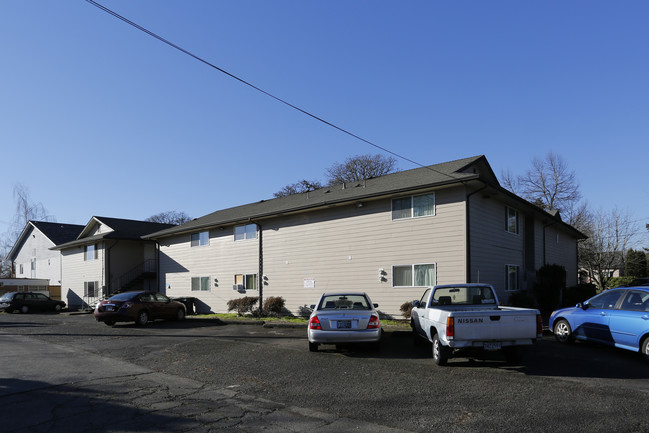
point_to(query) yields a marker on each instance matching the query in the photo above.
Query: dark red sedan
(139, 307)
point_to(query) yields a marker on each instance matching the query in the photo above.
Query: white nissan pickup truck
(459, 316)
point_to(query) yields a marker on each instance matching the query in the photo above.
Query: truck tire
(440, 352)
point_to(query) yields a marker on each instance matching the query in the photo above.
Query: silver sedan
(344, 317)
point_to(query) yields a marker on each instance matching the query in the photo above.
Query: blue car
(617, 317)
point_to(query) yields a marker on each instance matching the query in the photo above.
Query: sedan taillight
(374, 322)
(314, 323)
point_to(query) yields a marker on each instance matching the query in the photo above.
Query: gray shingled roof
(408, 180)
(123, 229)
(58, 233)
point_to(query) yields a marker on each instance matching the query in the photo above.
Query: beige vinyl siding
(221, 260)
(75, 271)
(492, 247)
(340, 248)
(561, 249)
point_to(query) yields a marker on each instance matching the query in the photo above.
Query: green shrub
(406, 309)
(243, 305)
(619, 281)
(273, 305)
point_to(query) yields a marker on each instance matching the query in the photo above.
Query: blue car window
(605, 301)
(636, 300)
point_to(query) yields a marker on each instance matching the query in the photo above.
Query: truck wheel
(563, 332)
(440, 352)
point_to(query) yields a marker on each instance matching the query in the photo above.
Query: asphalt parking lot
(581, 387)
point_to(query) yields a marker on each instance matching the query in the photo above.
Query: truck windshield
(463, 295)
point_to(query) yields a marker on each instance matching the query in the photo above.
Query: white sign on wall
(309, 283)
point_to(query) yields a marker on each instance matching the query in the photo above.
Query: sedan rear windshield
(123, 296)
(344, 302)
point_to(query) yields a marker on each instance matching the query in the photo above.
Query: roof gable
(57, 233)
(99, 228)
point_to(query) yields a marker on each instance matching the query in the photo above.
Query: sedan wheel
(644, 348)
(180, 315)
(563, 332)
(57, 308)
(24, 309)
(109, 323)
(313, 347)
(142, 318)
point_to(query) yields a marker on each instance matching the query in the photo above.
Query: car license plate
(108, 308)
(492, 346)
(344, 324)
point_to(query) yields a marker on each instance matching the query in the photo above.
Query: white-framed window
(414, 206)
(91, 289)
(511, 220)
(33, 264)
(200, 239)
(21, 269)
(242, 233)
(90, 252)
(248, 281)
(200, 284)
(511, 277)
(419, 275)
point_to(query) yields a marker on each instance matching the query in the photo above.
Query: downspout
(260, 277)
(468, 232)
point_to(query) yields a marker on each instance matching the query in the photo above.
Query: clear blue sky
(98, 118)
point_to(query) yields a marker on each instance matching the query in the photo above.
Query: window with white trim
(200, 284)
(511, 220)
(90, 252)
(242, 233)
(91, 289)
(415, 206)
(511, 277)
(200, 239)
(419, 275)
(248, 281)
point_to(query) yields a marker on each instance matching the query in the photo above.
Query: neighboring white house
(32, 257)
(108, 256)
(390, 236)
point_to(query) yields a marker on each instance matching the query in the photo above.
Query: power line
(247, 83)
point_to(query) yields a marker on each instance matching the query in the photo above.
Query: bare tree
(352, 169)
(299, 187)
(360, 167)
(551, 185)
(26, 210)
(609, 236)
(170, 217)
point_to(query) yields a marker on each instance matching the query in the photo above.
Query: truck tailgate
(496, 325)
